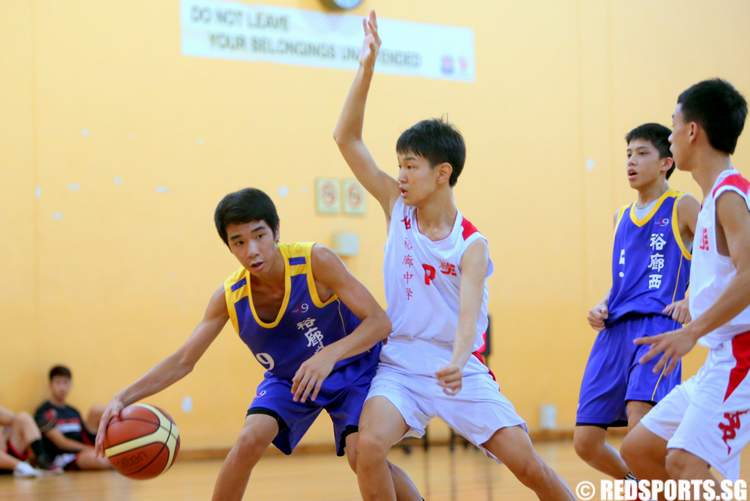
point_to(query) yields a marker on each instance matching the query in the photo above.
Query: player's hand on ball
(597, 315)
(371, 45)
(450, 378)
(679, 311)
(113, 409)
(310, 376)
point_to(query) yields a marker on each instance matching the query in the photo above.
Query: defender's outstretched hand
(371, 45)
(674, 345)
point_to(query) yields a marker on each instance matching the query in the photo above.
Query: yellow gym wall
(115, 149)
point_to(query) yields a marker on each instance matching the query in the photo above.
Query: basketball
(142, 442)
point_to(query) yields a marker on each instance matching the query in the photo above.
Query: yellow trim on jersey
(288, 251)
(656, 386)
(296, 269)
(676, 228)
(647, 217)
(677, 281)
(232, 297)
(311, 283)
(293, 250)
(620, 213)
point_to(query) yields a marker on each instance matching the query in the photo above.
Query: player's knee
(351, 459)
(371, 448)
(632, 452)
(95, 414)
(250, 444)
(24, 419)
(679, 463)
(585, 446)
(97, 409)
(531, 473)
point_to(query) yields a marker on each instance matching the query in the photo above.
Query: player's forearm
(161, 376)
(352, 118)
(475, 263)
(371, 330)
(68, 444)
(463, 345)
(734, 299)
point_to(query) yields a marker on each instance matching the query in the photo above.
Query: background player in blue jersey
(650, 271)
(308, 321)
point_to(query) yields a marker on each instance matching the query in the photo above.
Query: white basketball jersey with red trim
(711, 272)
(423, 278)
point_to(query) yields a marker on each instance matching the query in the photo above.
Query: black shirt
(67, 419)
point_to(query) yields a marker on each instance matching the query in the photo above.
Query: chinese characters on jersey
(313, 334)
(656, 260)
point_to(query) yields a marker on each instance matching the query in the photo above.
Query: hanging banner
(231, 30)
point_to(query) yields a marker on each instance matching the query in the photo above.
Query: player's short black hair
(243, 206)
(61, 371)
(719, 109)
(656, 134)
(436, 140)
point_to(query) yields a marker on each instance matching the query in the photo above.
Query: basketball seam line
(163, 446)
(140, 420)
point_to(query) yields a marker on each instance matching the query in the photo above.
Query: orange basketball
(142, 442)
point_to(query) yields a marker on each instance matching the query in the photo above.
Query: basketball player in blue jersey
(307, 320)
(650, 271)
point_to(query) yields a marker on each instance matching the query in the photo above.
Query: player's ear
(444, 172)
(666, 164)
(277, 232)
(692, 131)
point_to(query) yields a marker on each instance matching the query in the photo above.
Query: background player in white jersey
(706, 420)
(436, 264)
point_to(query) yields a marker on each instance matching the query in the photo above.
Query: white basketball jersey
(423, 278)
(711, 272)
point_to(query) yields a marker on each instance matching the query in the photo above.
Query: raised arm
(348, 132)
(331, 273)
(174, 367)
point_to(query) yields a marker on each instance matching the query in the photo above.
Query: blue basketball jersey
(650, 262)
(304, 323)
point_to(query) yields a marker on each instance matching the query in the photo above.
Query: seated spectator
(68, 438)
(21, 444)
